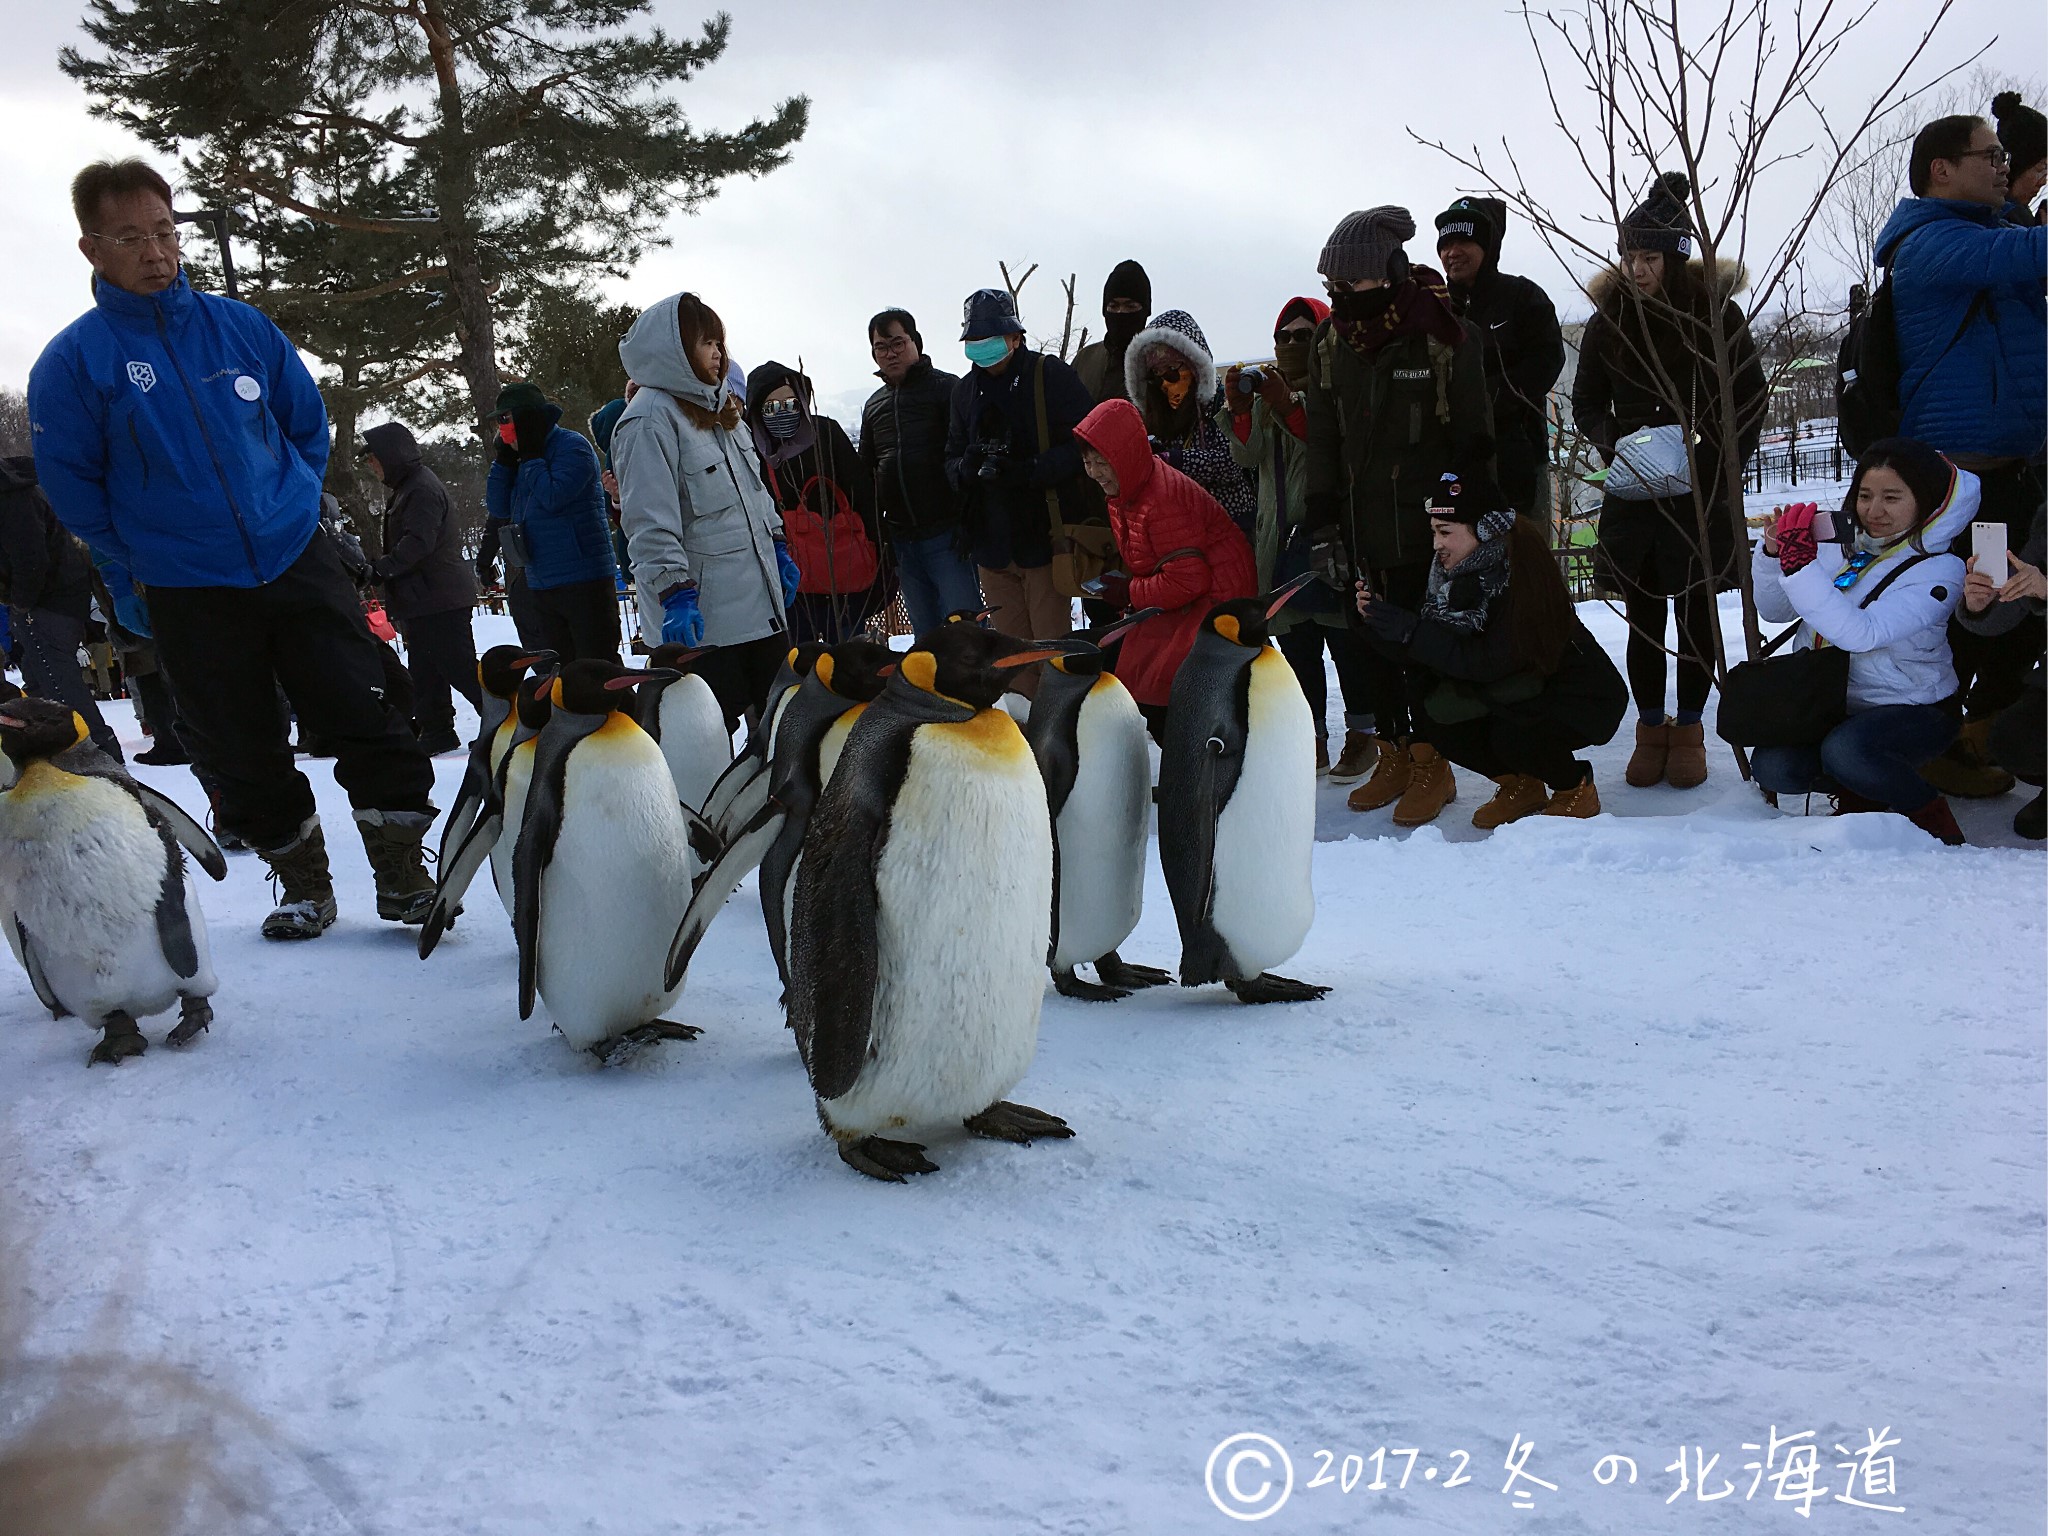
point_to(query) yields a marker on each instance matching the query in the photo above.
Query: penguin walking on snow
(1090, 742)
(687, 722)
(94, 895)
(1237, 782)
(737, 798)
(498, 672)
(923, 910)
(601, 872)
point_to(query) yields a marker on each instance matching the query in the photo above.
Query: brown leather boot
(1431, 787)
(1322, 755)
(1937, 820)
(1686, 766)
(1653, 750)
(1388, 783)
(1361, 751)
(1582, 801)
(1965, 770)
(1519, 795)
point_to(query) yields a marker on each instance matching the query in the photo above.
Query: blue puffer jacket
(1988, 392)
(559, 501)
(180, 433)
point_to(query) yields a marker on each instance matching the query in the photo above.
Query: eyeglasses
(892, 344)
(168, 242)
(1995, 155)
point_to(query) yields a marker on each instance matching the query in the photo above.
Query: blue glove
(131, 615)
(791, 575)
(682, 621)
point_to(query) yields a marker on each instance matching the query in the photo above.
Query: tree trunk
(455, 187)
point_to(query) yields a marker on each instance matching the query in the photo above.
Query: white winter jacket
(1898, 646)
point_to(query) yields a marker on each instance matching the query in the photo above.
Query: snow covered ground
(1637, 1137)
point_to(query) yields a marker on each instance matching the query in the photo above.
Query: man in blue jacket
(547, 506)
(179, 433)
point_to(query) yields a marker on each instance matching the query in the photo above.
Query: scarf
(1484, 572)
(1418, 305)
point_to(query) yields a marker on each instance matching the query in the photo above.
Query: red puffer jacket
(1184, 553)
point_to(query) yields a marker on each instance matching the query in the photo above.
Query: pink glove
(1796, 541)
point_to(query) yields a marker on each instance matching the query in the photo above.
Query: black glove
(486, 571)
(1328, 559)
(506, 454)
(970, 462)
(1012, 470)
(1394, 625)
(532, 428)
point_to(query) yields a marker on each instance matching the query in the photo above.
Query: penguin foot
(1067, 984)
(1116, 971)
(121, 1040)
(1004, 1121)
(1268, 988)
(615, 1050)
(195, 1014)
(886, 1160)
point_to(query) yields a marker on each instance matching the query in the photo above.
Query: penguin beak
(635, 679)
(10, 723)
(1045, 650)
(1278, 598)
(888, 671)
(1123, 625)
(534, 659)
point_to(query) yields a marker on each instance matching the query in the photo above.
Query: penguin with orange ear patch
(1237, 816)
(923, 908)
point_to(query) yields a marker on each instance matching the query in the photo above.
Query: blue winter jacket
(558, 500)
(1985, 390)
(181, 434)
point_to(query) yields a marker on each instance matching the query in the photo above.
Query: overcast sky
(1215, 142)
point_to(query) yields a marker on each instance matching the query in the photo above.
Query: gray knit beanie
(1360, 245)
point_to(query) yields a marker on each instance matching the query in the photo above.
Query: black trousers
(1391, 684)
(48, 643)
(440, 653)
(1524, 740)
(229, 649)
(525, 616)
(580, 622)
(739, 676)
(1303, 647)
(2019, 737)
(1647, 615)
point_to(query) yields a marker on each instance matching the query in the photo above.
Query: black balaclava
(1127, 280)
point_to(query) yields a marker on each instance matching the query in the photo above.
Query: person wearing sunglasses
(1972, 332)
(179, 433)
(1885, 596)
(1170, 374)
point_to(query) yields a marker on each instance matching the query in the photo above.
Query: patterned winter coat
(1190, 439)
(1183, 552)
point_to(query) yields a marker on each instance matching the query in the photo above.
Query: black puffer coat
(1655, 545)
(1516, 322)
(41, 565)
(903, 445)
(422, 569)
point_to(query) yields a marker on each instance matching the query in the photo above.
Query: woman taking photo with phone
(1885, 597)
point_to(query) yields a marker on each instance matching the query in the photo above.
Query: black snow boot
(393, 839)
(305, 903)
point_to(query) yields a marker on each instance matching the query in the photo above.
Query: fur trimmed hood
(1608, 286)
(1176, 329)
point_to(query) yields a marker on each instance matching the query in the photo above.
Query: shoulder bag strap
(1052, 496)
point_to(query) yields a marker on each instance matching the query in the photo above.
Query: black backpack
(1867, 367)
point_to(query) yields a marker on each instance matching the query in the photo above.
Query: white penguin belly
(81, 869)
(517, 777)
(615, 890)
(1264, 898)
(963, 907)
(693, 739)
(1102, 828)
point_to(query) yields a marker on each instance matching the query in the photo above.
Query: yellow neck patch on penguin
(555, 693)
(824, 670)
(81, 733)
(921, 670)
(1226, 626)
(991, 732)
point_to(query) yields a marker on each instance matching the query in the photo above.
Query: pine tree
(490, 149)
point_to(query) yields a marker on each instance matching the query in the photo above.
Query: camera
(1250, 379)
(995, 455)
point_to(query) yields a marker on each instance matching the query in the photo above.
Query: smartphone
(1092, 588)
(1824, 526)
(1987, 543)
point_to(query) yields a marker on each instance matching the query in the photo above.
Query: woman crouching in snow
(1906, 506)
(1514, 685)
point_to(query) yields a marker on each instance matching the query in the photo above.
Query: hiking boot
(1361, 751)
(1322, 755)
(1388, 783)
(1685, 767)
(1581, 801)
(1937, 820)
(163, 755)
(2031, 820)
(1965, 771)
(1849, 803)
(1653, 752)
(434, 743)
(305, 902)
(1519, 795)
(1431, 787)
(393, 839)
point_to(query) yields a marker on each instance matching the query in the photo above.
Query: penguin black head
(535, 700)
(500, 668)
(971, 664)
(856, 670)
(32, 729)
(678, 658)
(595, 687)
(1090, 662)
(1242, 621)
(803, 658)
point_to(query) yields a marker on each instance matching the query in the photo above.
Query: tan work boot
(1582, 801)
(1361, 751)
(1431, 787)
(1965, 770)
(1388, 783)
(1519, 795)
(392, 839)
(305, 901)
(1686, 767)
(1322, 755)
(1653, 751)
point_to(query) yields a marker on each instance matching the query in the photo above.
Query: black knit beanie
(1663, 220)
(2022, 130)
(1927, 474)
(1474, 500)
(1481, 220)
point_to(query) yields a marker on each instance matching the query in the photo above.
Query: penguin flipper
(704, 839)
(832, 969)
(171, 816)
(737, 795)
(539, 831)
(476, 779)
(1204, 957)
(739, 855)
(174, 921)
(457, 872)
(32, 962)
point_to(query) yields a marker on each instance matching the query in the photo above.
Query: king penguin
(923, 910)
(96, 900)
(498, 672)
(687, 722)
(1237, 822)
(601, 872)
(1090, 742)
(736, 799)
